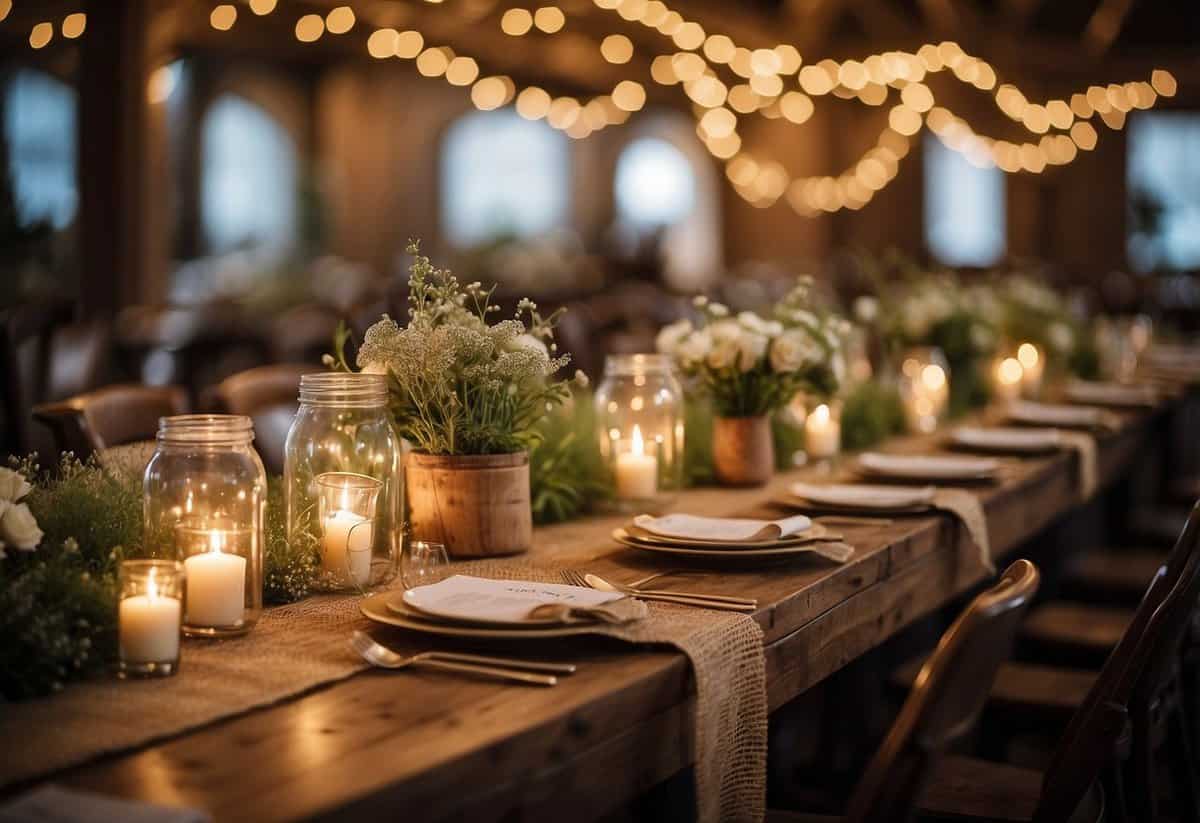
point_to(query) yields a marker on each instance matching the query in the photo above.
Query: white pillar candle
(637, 472)
(1008, 377)
(149, 627)
(346, 546)
(216, 586)
(822, 434)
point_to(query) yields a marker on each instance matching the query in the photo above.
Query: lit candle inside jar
(346, 543)
(637, 472)
(1033, 365)
(822, 433)
(149, 626)
(1007, 384)
(216, 585)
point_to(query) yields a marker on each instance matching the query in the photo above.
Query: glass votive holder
(149, 614)
(823, 434)
(924, 388)
(346, 510)
(1007, 379)
(1033, 369)
(218, 560)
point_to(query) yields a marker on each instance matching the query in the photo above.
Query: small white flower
(699, 301)
(792, 350)
(71, 545)
(581, 379)
(670, 336)
(718, 310)
(866, 309)
(19, 528)
(327, 360)
(13, 485)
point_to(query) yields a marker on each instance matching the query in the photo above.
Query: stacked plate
(465, 606)
(927, 468)
(861, 498)
(731, 538)
(1011, 440)
(1064, 416)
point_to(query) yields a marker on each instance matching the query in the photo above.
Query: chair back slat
(111, 416)
(946, 698)
(268, 396)
(1141, 662)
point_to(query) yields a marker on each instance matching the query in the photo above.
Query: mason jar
(343, 482)
(205, 494)
(924, 388)
(639, 420)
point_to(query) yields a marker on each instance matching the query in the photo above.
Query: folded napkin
(53, 804)
(722, 529)
(862, 497)
(1057, 414)
(481, 599)
(926, 466)
(1014, 440)
(1111, 394)
(962, 504)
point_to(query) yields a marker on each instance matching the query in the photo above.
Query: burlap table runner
(298, 647)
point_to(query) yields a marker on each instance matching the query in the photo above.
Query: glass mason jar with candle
(205, 492)
(639, 421)
(924, 388)
(343, 481)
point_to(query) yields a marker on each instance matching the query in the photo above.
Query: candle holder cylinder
(343, 480)
(205, 492)
(149, 611)
(924, 388)
(640, 430)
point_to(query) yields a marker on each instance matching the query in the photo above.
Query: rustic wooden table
(424, 745)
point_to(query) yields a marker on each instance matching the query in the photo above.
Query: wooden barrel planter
(476, 505)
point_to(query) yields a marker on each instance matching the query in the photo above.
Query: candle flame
(1009, 371)
(216, 541)
(933, 376)
(820, 415)
(152, 585)
(637, 447)
(1027, 353)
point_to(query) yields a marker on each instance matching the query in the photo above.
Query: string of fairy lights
(725, 82)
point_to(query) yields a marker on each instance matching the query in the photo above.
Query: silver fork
(715, 601)
(379, 655)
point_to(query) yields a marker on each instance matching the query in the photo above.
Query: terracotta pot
(743, 450)
(477, 505)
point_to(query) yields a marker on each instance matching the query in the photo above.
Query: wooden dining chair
(944, 703)
(1130, 709)
(112, 416)
(26, 334)
(268, 396)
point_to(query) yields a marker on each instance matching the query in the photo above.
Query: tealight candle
(148, 618)
(822, 433)
(216, 594)
(637, 472)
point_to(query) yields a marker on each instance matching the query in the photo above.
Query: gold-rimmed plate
(824, 548)
(385, 607)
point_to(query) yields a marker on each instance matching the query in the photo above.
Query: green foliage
(290, 569)
(567, 475)
(871, 413)
(697, 441)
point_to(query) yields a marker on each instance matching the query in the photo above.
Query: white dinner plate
(385, 607)
(499, 603)
(1111, 394)
(1014, 440)
(926, 467)
(814, 532)
(859, 497)
(811, 547)
(1053, 414)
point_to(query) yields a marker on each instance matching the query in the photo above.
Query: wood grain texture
(438, 747)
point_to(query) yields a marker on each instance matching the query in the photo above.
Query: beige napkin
(967, 508)
(926, 466)
(480, 599)
(1085, 446)
(722, 529)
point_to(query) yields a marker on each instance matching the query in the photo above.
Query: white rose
(694, 348)
(791, 350)
(13, 485)
(19, 528)
(751, 348)
(670, 336)
(756, 324)
(866, 309)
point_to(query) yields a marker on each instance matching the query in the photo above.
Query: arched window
(39, 125)
(964, 208)
(1164, 191)
(502, 175)
(665, 185)
(248, 184)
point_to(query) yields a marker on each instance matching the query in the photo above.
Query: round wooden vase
(476, 505)
(743, 450)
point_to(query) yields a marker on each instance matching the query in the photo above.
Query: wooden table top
(430, 746)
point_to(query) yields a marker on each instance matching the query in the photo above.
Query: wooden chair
(111, 416)
(949, 693)
(26, 332)
(267, 395)
(1138, 686)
